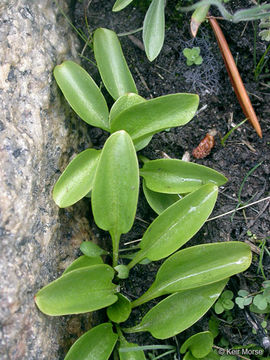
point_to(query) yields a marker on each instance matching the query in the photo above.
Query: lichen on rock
(38, 136)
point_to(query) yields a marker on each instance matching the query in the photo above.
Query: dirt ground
(220, 111)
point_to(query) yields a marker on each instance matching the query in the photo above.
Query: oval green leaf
(199, 344)
(89, 248)
(174, 176)
(77, 179)
(95, 344)
(158, 201)
(155, 115)
(177, 224)
(198, 266)
(82, 94)
(120, 310)
(111, 63)
(179, 311)
(116, 187)
(79, 291)
(154, 28)
(123, 103)
(83, 261)
(120, 5)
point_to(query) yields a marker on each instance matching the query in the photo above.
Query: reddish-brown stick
(235, 77)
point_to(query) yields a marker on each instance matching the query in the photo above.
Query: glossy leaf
(123, 103)
(120, 310)
(95, 344)
(158, 201)
(82, 94)
(89, 248)
(111, 63)
(120, 5)
(77, 179)
(130, 355)
(83, 261)
(177, 224)
(174, 176)
(179, 311)
(116, 187)
(155, 115)
(199, 344)
(198, 266)
(154, 28)
(79, 291)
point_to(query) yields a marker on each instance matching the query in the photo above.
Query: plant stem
(137, 258)
(260, 266)
(261, 64)
(130, 32)
(242, 207)
(164, 354)
(79, 33)
(147, 347)
(225, 137)
(141, 300)
(115, 243)
(119, 332)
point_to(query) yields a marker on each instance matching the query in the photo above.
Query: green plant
(265, 28)
(152, 351)
(224, 302)
(243, 299)
(191, 278)
(225, 137)
(193, 56)
(239, 195)
(259, 302)
(198, 346)
(261, 63)
(253, 13)
(263, 249)
(154, 21)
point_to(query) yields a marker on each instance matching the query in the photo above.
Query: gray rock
(38, 136)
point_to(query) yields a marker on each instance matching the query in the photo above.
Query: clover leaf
(224, 302)
(243, 299)
(193, 56)
(260, 301)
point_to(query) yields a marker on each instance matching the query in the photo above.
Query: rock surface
(38, 136)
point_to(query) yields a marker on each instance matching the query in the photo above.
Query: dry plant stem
(136, 42)
(235, 77)
(240, 208)
(143, 82)
(253, 247)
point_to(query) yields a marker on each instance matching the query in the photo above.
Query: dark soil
(242, 151)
